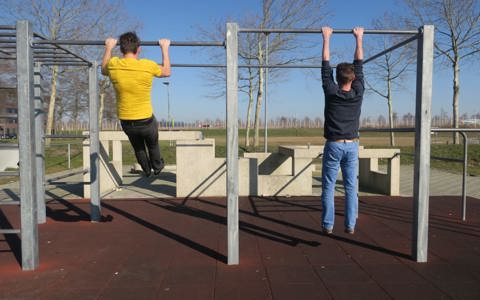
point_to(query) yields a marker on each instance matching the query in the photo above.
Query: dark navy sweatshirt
(342, 109)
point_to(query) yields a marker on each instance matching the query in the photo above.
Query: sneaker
(162, 165)
(327, 231)
(148, 173)
(350, 230)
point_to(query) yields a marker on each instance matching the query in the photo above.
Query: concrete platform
(174, 249)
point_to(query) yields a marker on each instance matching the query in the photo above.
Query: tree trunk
(249, 112)
(100, 109)
(258, 108)
(456, 98)
(390, 112)
(51, 106)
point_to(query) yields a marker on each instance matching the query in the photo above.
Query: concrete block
(10, 156)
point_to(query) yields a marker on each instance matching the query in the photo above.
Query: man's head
(345, 73)
(129, 43)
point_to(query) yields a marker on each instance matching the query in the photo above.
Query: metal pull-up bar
(319, 30)
(143, 43)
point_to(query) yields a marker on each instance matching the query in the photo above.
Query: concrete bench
(10, 156)
(370, 177)
(111, 171)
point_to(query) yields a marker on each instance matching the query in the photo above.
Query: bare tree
(387, 72)
(76, 19)
(457, 35)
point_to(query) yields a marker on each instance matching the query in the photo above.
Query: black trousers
(143, 135)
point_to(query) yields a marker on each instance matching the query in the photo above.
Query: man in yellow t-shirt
(132, 79)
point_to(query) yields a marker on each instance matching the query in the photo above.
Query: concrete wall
(111, 171)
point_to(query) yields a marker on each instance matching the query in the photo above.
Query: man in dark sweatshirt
(343, 101)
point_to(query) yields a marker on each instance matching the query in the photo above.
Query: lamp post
(167, 84)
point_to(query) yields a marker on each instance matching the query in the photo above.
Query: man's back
(132, 80)
(342, 108)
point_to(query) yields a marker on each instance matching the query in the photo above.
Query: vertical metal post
(39, 145)
(266, 93)
(26, 141)
(464, 177)
(232, 143)
(95, 206)
(422, 143)
(68, 154)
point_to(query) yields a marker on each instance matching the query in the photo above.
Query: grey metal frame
(27, 141)
(425, 38)
(232, 143)
(39, 145)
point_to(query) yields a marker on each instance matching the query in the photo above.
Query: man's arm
(165, 66)
(358, 33)
(358, 84)
(110, 43)
(329, 86)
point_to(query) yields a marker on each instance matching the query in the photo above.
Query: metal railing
(464, 161)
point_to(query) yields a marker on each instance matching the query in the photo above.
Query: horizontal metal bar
(319, 30)
(434, 157)
(8, 58)
(9, 173)
(67, 175)
(9, 116)
(79, 64)
(413, 130)
(66, 50)
(143, 43)
(7, 27)
(52, 55)
(456, 129)
(198, 66)
(387, 130)
(8, 145)
(10, 202)
(402, 43)
(287, 66)
(60, 60)
(9, 231)
(5, 41)
(56, 136)
(8, 34)
(9, 46)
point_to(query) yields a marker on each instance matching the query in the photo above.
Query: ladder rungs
(9, 231)
(9, 202)
(9, 173)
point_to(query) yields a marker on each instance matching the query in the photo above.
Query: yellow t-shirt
(132, 80)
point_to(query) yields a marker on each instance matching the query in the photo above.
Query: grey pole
(464, 177)
(266, 93)
(422, 144)
(39, 146)
(95, 206)
(167, 84)
(26, 141)
(232, 143)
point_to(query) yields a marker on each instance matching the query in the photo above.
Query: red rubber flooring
(170, 249)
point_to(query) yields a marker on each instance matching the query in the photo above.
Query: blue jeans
(336, 155)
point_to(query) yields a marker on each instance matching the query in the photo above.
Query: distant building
(8, 112)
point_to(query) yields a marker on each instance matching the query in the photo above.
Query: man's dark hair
(129, 43)
(345, 73)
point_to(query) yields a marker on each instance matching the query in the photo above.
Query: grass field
(56, 153)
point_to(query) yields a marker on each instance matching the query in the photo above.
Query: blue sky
(300, 94)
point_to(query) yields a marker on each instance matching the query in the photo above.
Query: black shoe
(148, 173)
(162, 165)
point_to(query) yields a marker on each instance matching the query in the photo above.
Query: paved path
(135, 186)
